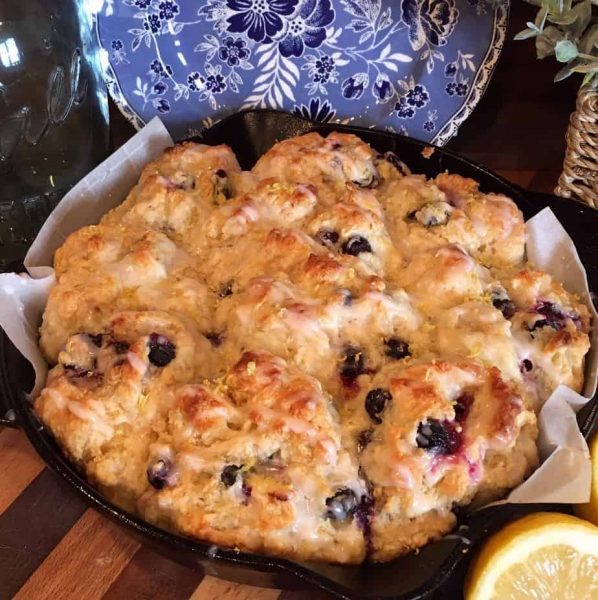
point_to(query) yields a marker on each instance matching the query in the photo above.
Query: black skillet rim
(51, 454)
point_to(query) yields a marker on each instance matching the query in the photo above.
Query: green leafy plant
(567, 30)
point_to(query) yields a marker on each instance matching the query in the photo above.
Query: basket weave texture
(579, 178)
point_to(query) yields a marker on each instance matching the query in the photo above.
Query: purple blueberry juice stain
(438, 437)
(462, 407)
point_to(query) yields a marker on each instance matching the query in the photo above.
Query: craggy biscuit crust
(319, 359)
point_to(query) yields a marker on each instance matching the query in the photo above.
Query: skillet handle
(7, 414)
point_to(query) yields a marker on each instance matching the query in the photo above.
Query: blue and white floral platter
(416, 67)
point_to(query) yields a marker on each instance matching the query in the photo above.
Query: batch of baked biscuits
(320, 358)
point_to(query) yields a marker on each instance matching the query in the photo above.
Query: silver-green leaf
(526, 34)
(565, 51)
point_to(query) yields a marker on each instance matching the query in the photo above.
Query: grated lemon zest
(142, 401)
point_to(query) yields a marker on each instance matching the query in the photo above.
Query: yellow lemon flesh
(589, 511)
(544, 556)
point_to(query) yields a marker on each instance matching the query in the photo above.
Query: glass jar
(53, 112)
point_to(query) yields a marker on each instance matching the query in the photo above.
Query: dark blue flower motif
(316, 111)
(157, 70)
(216, 83)
(160, 88)
(156, 66)
(450, 70)
(142, 3)
(152, 23)
(162, 106)
(353, 86)
(232, 51)
(117, 45)
(429, 21)
(323, 67)
(307, 27)
(429, 126)
(451, 88)
(195, 82)
(461, 89)
(324, 64)
(260, 19)
(403, 110)
(383, 88)
(418, 96)
(168, 9)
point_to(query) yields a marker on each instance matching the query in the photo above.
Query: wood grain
(32, 526)
(19, 465)
(216, 589)
(83, 564)
(150, 576)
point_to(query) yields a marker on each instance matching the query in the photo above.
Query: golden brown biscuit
(423, 214)
(318, 359)
(437, 434)
(255, 461)
(550, 329)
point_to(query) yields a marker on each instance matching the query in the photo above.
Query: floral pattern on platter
(415, 67)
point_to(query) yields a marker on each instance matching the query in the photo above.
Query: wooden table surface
(53, 546)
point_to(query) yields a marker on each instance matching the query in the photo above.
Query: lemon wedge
(589, 510)
(544, 556)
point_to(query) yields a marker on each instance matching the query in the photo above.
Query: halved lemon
(589, 510)
(544, 556)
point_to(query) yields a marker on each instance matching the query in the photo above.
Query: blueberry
(375, 403)
(526, 365)
(160, 473)
(222, 184)
(554, 316)
(161, 350)
(396, 348)
(225, 289)
(370, 180)
(355, 245)
(347, 297)
(432, 214)
(550, 310)
(342, 505)
(96, 339)
(215, 338)
(438, 437)
(462, 406)
(364, 515)
(229, 475)
(327, 237)
(539, 324)
(506, 307)
(353, 362)
(246, 490)
(501, 301)
(395, 161)
(363, 439)
(121, 347)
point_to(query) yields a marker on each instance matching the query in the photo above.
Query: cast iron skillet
(438, 568)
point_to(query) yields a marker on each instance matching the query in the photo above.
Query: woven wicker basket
(579, 178)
